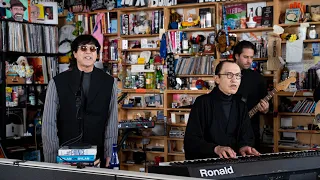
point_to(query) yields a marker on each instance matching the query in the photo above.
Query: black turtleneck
(86, 83)
(226, 102)
(217, 119)
(85, 87)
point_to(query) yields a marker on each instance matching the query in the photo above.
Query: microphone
(79, 96)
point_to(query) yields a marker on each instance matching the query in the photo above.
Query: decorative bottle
(114, 161)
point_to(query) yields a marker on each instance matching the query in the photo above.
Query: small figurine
(190, 22)
(23, 69)
(175, 17)
(251, 23)
(142, 26)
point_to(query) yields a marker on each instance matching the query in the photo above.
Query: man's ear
(74, 54)
(217, 79)
(237, 56)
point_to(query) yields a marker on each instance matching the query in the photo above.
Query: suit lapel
(74, 80)
(95, 83)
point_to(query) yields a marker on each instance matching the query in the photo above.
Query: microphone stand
(79, 114)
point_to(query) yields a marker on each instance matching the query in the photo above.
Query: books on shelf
(194, 65)
(304, 106)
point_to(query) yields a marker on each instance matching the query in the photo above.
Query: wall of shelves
(29, 104)
(127, 113)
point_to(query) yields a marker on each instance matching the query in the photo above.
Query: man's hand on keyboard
(247, 150)
(225, 152)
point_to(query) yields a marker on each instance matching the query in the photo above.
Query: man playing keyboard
(219, 124)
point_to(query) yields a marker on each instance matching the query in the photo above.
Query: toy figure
(174, 17)
(222, 42)
(3, 6)
(142, 26)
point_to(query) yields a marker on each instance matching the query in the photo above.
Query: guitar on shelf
(317, 115)
(279, 87)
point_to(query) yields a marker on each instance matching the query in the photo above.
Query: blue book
(84, 158)
(114, 26)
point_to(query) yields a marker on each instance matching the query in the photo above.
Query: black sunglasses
(84, 48)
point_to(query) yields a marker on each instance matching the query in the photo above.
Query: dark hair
(82, 40)
(242, 45)
(220, 65)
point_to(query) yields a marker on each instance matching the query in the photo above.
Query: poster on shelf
(36, 13)
(18, 10)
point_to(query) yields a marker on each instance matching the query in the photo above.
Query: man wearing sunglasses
(81, 105)
(219, 124)
(253, 85)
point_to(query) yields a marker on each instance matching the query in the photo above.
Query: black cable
(78, 96)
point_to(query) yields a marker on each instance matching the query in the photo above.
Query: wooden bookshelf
(299, 131)
(175, 139)
(110, 34)
(298, 93)
(193, 29)
(192, 5)
(177, 125)
(197, 54)
(250, 30)
(295, 114)
(298, 24)
(139, 35)
(278, 6)
(194, 75)
(188, 91)
(306, 41)
(178, 109)
(141, 49)
(137, 9)
(176, 154)
(148, 91)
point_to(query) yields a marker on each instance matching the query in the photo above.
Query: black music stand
(125, 136)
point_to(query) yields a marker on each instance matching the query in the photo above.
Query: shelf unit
(278, 6)
(23, 143)
(307, 137)
(304, 136)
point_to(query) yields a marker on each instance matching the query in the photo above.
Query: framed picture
(50, 12)
(38, 63)
(37, 13)
(292, 16)
(18, 10)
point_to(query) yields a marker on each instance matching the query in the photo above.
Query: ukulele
(279, 87)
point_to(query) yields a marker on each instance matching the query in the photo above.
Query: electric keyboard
(136, 124)
(285, 165)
